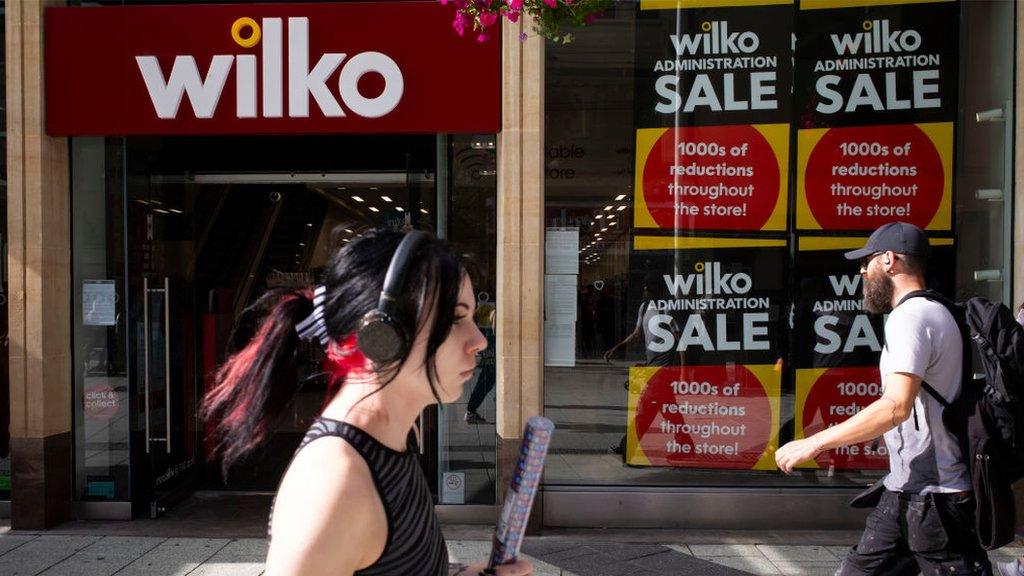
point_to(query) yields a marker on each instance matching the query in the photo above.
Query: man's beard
(878, 295)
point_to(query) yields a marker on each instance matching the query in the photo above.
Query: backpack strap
(935, 394)
(964, 337)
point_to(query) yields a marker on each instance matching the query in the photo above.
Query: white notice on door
(99, 303)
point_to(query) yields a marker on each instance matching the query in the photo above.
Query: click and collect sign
(380, 67)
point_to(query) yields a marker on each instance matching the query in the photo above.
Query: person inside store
(395, 316)
(652, 289)
(923, 517)
(487, 375)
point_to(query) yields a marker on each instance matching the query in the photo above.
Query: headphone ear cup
(381, 339)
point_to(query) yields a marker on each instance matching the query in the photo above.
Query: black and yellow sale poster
(876, 98)
(714, 305)
(713, 104)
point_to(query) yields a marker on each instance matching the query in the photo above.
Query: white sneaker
(1011, 568)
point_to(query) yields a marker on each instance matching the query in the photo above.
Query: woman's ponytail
(259, 378)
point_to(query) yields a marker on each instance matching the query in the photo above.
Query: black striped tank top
(415, 545)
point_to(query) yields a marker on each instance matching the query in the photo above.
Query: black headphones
(380, 336)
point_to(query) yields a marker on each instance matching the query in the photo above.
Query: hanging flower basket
(551, 18)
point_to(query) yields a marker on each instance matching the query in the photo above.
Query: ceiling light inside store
(342, 188)
(424, 210)
(599, 216)
(399, 208)
(374, 188)
(175, 211)
(620, 197)
(620, 208)
(605, 229)
(482, 143)
(373, 209)
(607, 208)
(348, 230)
(160, 210)
(302, 243)
(358, 199)
(309, 224)
(384, 198)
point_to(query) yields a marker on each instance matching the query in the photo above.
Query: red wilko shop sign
(380, 67)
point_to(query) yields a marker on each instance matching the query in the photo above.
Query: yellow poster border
(777, 136)
(805, 380)
(698, 243)
(769, 376)
(813, 243)
(939, 133)
(822, 4)
(687, 4)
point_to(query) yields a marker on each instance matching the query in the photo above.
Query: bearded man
(924, 508)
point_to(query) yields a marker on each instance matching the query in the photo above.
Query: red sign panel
(374, 67)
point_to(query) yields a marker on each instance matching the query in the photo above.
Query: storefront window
(467, 448)
(705, 171)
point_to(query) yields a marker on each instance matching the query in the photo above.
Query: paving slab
(175, 557)
(713, 550)
(758, 565)
(672, 562)
(104, 557)
(212, 568)
(9, 542)
(775, 552)
(41, 553)
(809, 568)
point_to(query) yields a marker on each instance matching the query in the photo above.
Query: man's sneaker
(1011, 568)
(474, 418)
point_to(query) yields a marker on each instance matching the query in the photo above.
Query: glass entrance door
(161, 283)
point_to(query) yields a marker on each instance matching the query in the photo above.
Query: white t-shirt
(922, 338)
(644, 316)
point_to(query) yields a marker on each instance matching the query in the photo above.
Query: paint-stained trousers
(930, 534)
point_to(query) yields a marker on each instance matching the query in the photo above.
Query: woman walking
(395, 315)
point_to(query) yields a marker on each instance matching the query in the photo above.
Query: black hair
(260, 377)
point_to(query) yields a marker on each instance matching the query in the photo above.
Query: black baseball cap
(899, 237)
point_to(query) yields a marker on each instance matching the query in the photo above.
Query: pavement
(82, 549)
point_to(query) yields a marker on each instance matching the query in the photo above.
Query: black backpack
(987, 418)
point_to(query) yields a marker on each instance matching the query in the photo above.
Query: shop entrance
(201, 246)
(176, 237)
(202, 249)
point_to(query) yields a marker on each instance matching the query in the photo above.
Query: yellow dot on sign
(699, 267)
(254, 32)
(867, 25)
(705, 26)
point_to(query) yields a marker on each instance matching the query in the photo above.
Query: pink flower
(488, 19)
(522, 36)
(513, 17)
(590, 19)
(460, 23)
(551, 3)
(443, 2)
(515, 5)
(481, 38)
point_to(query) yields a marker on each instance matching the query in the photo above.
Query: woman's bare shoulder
(327, 512)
